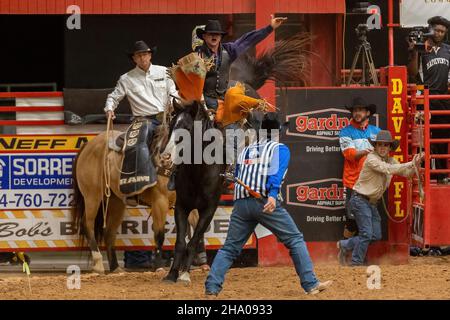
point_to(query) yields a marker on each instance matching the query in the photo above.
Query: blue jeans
(247, 213)
(137, 258)
(211, 103)
(369, 225)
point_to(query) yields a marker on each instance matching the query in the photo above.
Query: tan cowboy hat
(385, 136)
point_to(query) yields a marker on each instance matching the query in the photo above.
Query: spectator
(355, 146)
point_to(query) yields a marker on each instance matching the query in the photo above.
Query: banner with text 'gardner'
(313, 190)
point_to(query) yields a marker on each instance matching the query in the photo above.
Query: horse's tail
(287, 62)
(78, 210)
(79, 205)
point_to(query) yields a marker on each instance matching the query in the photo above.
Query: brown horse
(90, 176)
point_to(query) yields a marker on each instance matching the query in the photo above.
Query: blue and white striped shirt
(262, 166)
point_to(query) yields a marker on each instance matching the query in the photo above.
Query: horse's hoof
(118, 270)
(185, 278)
(205, 267)
(169, 279)
(98, 271)
(160, 270)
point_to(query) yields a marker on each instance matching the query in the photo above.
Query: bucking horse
(199, 185)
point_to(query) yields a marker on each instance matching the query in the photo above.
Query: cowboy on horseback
(148, 89)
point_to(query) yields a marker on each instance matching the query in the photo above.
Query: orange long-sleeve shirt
(354, 138)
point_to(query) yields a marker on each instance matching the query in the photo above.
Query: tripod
(368, 67)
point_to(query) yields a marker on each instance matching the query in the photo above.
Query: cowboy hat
(272, 121)
(140, 46)
(385, 136)
(439, 20)
(360, 102)
(213, 26)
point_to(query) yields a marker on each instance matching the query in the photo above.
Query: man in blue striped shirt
(262, 167)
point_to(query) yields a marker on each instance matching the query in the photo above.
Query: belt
(364, 197)
(158, 116)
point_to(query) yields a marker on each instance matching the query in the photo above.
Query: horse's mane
(198, 112)
(203, 116)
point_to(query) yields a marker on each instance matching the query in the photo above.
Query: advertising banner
(36, 198)
(54, 230)
(313, 189)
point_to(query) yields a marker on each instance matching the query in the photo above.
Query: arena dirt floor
(423, 278)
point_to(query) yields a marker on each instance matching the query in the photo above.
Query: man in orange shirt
(355, 146)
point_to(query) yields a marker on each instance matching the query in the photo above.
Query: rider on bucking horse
(230, 112)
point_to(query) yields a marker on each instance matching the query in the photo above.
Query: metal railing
(9, 109)
(420, 140)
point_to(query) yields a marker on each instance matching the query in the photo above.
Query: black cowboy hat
(439, 20)
(140, 46)
(213, 26)
(272, 121)
(385, 136)
(360, 102)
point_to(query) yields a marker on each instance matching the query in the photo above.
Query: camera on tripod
(420, 36)
(361, 31)
(364, 51)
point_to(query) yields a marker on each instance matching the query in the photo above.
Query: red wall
(167, 6)
(327, 42)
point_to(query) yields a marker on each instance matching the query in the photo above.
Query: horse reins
(107, 171)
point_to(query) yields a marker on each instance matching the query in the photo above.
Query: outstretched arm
(252, 38)
(402, 169)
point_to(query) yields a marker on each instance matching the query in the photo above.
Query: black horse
(198, 186)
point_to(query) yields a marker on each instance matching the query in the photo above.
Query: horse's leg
(91, 210)
(205, 218)
(160, 208)
(116, 210)
(200, 258)
(181, 222)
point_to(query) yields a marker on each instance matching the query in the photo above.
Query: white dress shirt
(148, 92)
